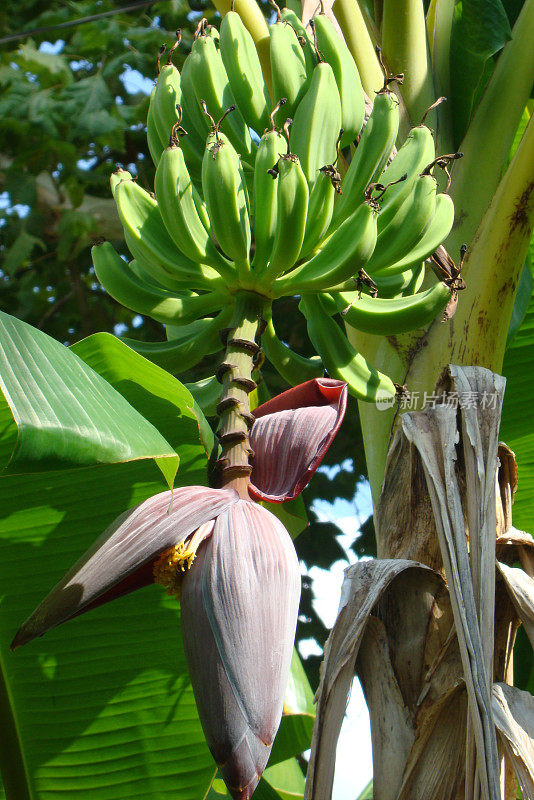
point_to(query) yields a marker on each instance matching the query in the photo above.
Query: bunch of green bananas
(267, 184)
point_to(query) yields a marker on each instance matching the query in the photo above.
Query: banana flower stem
(241, 339)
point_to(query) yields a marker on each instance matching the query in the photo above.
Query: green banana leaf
(101, 707)
(55, 411)
(480, 30)
(367, 793)
(518, 433)
(294, 733)
(156, 394)
(284, 781)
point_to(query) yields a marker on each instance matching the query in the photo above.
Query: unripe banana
(272, 145)
(399, 284)
(194, 119)
(293, 367)
(165, 111)
(343, 255)
(371, 155)
(149, 242)
(407, 226)
(339, 357)
(303, 36)
(292, 207)
(410, 160)
(162, 305)
(386, 317)
(225, 193)
(210, 83)
(336, 53)
(155, 145)
(174, 193)
(244, 73)
(434, 234)
(316, 123)
(117, 177)
(191, 344)
(320, 210)
(288, 68)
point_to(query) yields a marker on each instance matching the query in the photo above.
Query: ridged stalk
(491, 131)
(405, 47)
(235, 374)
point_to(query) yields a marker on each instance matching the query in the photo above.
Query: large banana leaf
(101, 707)
(55, 411)
(517, 430)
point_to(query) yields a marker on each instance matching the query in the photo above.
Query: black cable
(81, 21)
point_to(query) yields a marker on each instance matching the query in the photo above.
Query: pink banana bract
(239, 595)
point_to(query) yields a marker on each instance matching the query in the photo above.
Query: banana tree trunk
(429, 626)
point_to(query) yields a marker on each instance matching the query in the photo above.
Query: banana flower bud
(234, 565)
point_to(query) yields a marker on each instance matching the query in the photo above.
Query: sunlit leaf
(56, 411)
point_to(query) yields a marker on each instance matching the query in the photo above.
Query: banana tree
(274, 177)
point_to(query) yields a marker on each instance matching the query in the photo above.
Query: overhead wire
(72, 23)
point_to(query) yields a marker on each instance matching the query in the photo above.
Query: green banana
(195, 341)
(174, 193)
(151, 245)
(117, 177)
(166, 112)
(396, 285)
(317, 122)
(146, 278)
(210, 84)
(416, 152)
(320, 210)
(335, 52)
(124, 286)
(272, 145)
(339, 357)
(243, 69)
(292, 196)
(386, 317)
(413, 286)
(371, 155)
(434, 234)
(225, 193)
(288, 68)
(304, 38)
(194, 119)
(293, 367)
(405, 229)
(343, 255)
(155, 145)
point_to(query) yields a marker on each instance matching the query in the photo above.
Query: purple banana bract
(235, 567)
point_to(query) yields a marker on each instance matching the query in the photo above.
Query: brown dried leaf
(513, 711)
